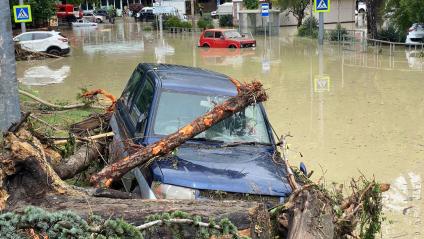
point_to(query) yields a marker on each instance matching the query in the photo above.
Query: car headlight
(167, 191)
(253, 44)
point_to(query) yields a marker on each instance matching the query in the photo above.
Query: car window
(25, 37)
(218, 34)
(244, 126)
(131, 87)
(41, 36)
(141, 106)
(208, 34)
(232, 34)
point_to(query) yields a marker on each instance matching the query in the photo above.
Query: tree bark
(78, 162)
(135, 211)
(248, 94)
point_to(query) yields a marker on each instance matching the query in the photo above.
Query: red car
(225, 38)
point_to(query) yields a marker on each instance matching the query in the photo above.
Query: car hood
(242, 40)
(241, 169)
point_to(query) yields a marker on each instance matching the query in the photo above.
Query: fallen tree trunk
(78, 162)
(248, 94)
(136, 211)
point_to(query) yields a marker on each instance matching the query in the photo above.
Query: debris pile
(33, 173)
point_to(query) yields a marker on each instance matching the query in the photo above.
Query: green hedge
(205, 23)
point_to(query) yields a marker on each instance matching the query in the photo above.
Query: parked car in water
(145, 14)
(93, 17)
(233, 157)
(44, 41)
(84, 23)
(101, 12)
(415, 34)
(225, 38)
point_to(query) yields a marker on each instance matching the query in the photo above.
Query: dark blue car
(231, 160)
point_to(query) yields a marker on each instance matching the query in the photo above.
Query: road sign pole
(23, 27)
(321, 28)
(9, 98)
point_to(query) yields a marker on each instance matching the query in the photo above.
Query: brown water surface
(351, 113)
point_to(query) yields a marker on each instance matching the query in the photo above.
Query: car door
(219, 42)
(25, 40)
(42, 41)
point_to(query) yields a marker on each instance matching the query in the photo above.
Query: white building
(342, 11)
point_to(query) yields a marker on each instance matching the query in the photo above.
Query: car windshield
(232, 34)
(177, 109)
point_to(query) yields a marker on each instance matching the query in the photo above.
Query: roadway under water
(364, 115)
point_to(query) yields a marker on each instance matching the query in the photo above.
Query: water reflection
(44, 75)
(225, 56)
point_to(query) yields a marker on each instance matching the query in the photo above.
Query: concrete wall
(340, 11)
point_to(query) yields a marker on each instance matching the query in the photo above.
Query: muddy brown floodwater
(364, 116)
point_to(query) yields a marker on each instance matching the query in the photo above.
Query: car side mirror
(15, 39)
(222, 37)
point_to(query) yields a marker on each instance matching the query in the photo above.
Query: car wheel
(54, 51)
(98, 20)
(206, 45)
(232, 46)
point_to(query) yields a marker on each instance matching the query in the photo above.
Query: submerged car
(415, 35)
(232, 159)
(51, 42)
(225, 38)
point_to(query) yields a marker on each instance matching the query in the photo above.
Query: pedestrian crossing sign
(322, 5)
(321, 83)
(22, 13)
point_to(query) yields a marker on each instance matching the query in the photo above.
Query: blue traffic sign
(22, 13)
(322, 5)
(264, 9)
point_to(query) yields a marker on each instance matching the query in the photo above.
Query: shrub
(226, 21)
(205, 23)
(251, 4)
(391, 34)
(338, 33)
(309, 28)
(172, 21)
(186, 25)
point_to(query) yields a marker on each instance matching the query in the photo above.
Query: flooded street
(364, 116)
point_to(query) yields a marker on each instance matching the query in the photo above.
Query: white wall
(340, 11)
(178, 4)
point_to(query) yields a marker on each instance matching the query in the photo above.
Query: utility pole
(192, 14)
(321, 29)
(9, 98)
(23, 27)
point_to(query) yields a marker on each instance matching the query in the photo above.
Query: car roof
(190, 79)
(52, 32)
(221, 29)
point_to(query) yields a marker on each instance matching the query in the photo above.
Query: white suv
(45, 41)
(415, 35)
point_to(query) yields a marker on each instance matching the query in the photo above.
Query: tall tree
(9, 99)
(403, 13)
(374, 16)
(296, 7)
